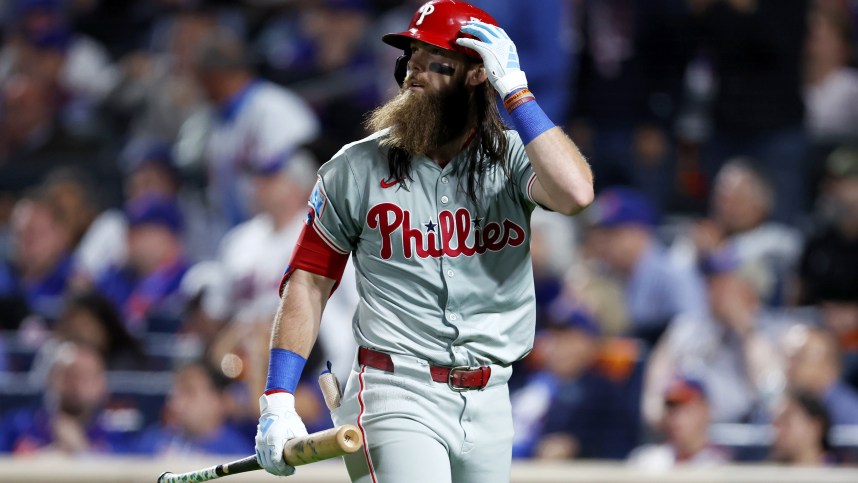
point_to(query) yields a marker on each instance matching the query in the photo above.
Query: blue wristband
(530, 121)
(284, 371)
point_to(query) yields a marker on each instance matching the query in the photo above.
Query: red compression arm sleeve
(313, 255)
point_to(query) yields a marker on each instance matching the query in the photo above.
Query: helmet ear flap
(401, 69)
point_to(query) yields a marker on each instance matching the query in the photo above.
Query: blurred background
(155, 163)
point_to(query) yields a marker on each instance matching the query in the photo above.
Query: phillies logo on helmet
(448, 237)
(439, 23)
(425, 10)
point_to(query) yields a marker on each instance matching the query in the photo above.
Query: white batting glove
(278, 423)
(499, 56)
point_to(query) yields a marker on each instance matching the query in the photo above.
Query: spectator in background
(257, 125)
(37, 274)
(728, 347)
(324, 49)
(32, 142)
(553, 249)
(569, 409)
(815, 368)
(29, 115)
(89, 319)
(633, 56)
(71, 419)
(146, 288)
(801, 431)
(755, 47)
(97, 235)
(196, 418)
(256, 252)
(741, 204)
(150, 170)
(831, 84)
(828, 268)
(602, 294)
(656, 287)
(840, 316)
(686, 427)
(253, 257)
(43, 40)
(157, 91)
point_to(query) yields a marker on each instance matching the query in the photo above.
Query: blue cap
(155, 210)
(683, 389)
(563, 314)
(621, 206)
(270, 166)
(757, 273)
(150, 153)
(53, 36)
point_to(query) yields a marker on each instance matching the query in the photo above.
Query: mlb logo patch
(318, 199)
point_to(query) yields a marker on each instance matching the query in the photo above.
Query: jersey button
(444, 180)
(450, 273)
(452, 317)
(444, 199)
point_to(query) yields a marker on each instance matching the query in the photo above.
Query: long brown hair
(487, 149)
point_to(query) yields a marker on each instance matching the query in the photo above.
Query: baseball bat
(298, 451)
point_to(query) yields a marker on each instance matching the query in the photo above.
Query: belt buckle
(452, 386)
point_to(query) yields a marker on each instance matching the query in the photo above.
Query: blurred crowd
(155, 163)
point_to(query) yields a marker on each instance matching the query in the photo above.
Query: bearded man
(435, 208)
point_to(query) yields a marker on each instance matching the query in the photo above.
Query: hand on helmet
(499, 56)
(278, 423)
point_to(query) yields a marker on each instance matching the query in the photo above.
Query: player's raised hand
(499, 56)
(278, 423)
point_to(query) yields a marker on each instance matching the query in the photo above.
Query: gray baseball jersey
(439, 278)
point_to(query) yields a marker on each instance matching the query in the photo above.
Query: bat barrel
(323, 445)
(299, 451)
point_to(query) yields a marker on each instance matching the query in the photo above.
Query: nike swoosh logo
(389, 184)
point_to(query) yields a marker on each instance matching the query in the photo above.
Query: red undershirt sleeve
(312, 254)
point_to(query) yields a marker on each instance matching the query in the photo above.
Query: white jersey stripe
(530, 187)
(329, 242)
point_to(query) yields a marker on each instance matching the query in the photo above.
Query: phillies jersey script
(439, 277)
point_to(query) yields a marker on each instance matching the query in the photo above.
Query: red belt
(458, 378)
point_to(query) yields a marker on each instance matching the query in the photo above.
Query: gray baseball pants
(417, 430)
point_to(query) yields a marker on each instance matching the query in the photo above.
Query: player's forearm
(564, 179)
(296, 324)
(295, 328)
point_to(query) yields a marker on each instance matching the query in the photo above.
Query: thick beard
(421, 122)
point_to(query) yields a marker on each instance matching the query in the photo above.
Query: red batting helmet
(437, 23)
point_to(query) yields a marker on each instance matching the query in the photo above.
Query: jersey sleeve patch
(336, 205)
(318, 199)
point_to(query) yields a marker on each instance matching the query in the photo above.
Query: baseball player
(434, 209)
